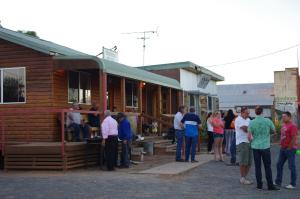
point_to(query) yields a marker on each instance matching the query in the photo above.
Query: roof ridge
(36, 43)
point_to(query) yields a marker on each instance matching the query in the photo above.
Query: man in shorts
(243, 146)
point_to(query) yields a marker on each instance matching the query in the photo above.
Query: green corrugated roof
(64, 53)
(184, 65)
(37, 44)
(122, 70)
(138, 74)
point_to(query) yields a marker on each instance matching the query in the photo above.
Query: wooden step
(47, 156)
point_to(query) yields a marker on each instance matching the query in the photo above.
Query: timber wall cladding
(39, 80)
(171, 73)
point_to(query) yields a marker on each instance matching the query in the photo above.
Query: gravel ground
(210, 180)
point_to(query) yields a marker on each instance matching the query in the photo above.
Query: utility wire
(256, 57)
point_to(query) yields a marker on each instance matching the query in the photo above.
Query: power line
(256, 57)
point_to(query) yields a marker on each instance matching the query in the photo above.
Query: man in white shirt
(179, 132)
(243, 146)
(75, 121)
(109, 129)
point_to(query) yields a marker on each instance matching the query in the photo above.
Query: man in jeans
(125, 135)
(191, 123)
(243, 145)
(75, 121)
(288, 148)
(179, 132)
(259, 134)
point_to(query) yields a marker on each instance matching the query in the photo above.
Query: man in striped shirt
(191, 123)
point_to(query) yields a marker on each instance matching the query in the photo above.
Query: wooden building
(35, 73)
(198, 83)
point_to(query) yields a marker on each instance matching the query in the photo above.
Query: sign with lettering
(110, 55)
(203, 81)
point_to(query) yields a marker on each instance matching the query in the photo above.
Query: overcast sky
(206, 32)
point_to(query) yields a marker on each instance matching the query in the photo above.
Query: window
(192, 100)
(131, 94)
(210, 106)
(79, 87)
(12, 85)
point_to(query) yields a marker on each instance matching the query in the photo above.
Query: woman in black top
(229, 130)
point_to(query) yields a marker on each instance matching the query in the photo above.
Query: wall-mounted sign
(110, 54)
(286, 106)
(203, 81)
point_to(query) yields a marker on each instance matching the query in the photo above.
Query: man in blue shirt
(125, 135)
(191, 123)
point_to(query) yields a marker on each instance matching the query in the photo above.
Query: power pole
(144, 38)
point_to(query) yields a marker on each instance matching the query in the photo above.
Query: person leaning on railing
(75, 121)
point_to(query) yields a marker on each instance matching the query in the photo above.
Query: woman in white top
(210, 133)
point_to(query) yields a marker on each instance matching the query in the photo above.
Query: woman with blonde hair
(218, 128)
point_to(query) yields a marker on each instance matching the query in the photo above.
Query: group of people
(113, 130)
(76, 122)
(243, 138)
(250, 139)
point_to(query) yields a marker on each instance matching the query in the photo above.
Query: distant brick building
(286, 91)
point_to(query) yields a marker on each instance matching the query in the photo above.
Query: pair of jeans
(111, 152)
(286, 155)
(233, 151)
(210, 141)
(179, 137)
(77, 127)
(265, 156)
(190, 147)
(125, 160)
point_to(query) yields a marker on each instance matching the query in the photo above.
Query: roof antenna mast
(144, 38)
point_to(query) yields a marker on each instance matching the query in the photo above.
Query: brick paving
(211, 180)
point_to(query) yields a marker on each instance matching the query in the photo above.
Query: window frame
(132, 96)
(90, 83)
(1, 85)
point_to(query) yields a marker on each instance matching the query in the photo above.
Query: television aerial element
(144, 37)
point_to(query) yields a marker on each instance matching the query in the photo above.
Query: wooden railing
(30, 112)
(158, 120)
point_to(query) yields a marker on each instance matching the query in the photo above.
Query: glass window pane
(135, 95)
(128, 88)
(14, 85)
(210, 103)
(85, 89)
(192, 100)
(73, 86)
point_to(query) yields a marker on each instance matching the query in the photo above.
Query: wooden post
(180, 97)
(103, 90)
(140, 104)
(169, 105)
(123, 95)
(159, 107)
(63, 156)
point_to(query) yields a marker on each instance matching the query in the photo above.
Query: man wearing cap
(125, 135)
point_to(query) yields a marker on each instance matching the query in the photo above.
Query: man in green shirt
(259, 134)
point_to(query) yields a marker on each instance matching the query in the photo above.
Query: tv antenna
(144, 37)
